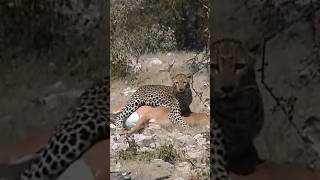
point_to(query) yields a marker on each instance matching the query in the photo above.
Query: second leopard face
(181, 82)
(231, 67)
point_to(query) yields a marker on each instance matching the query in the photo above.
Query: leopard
(85, 124)
(238, 103)
(183, 92)
(177, 98)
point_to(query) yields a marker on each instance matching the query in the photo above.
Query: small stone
(143, 140)
(118, 166)
(194, 155)
(304, 73)
(186, 139)
(144, 149)
(11, 4)
(154, 144)
(184, 168)
(200, 139)
(125, 173)
(161, 163)
(112, 126)
(119, 146)
(179, 178)
(58, 85)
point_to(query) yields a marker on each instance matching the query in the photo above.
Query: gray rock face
(290, 50)
(311, 131)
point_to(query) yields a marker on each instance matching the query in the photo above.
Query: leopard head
(231, 66)
(181, 82)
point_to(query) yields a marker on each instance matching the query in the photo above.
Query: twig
(306, 12)
(198, 94)
(276, 98)
(169, 69)
(163, 177)
(197, 63)
(194, 60)
(239, 7)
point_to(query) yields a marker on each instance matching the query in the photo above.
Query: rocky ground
(158, 153)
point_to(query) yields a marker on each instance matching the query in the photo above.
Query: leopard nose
(227, 89)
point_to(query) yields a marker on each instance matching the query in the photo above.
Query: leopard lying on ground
(85, 125)
(177, 98)
(159, 115)
(238, 106)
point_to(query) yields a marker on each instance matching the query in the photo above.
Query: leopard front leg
(218, 154)
(174, 114)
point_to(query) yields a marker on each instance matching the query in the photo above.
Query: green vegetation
(150, 26)
(167, 152)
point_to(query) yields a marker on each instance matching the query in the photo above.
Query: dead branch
(171, 65)
(239, 7)
(198, 93)
(288, 112)
(169, 69)
(163, 177)
(196, 64)
(306, 12)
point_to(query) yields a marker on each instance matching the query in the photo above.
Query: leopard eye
(240, 66)
(177, 82)
(215, 67)
(184, 82)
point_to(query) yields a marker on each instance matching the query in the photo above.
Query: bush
(150, 26)
(167, 152)
(45, 27)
